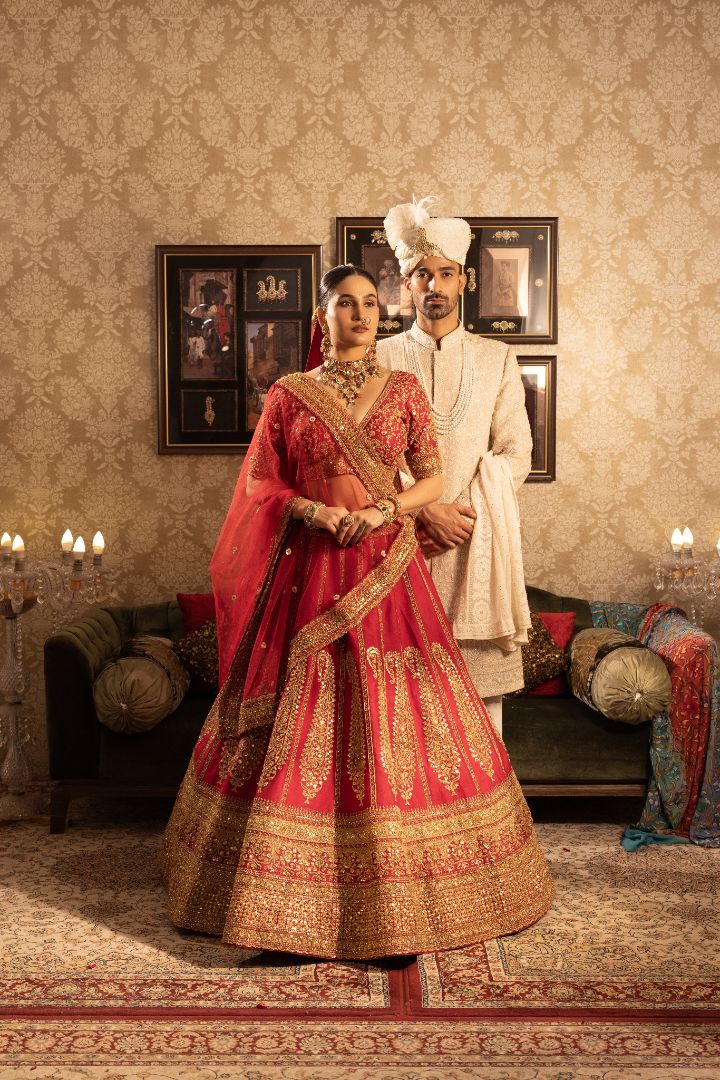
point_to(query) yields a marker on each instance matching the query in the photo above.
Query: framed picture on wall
(231, 321)
(511, 266)
(511, 293)
(538, 376)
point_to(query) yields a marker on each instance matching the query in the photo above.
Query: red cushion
(196, 609)
(560, 625)
(558, 685)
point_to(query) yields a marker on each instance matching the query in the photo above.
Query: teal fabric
(623, 617)
(632, 838)
(684, 791)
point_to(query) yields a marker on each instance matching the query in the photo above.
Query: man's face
(435, 285)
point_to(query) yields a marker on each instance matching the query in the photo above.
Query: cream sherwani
(478, 401)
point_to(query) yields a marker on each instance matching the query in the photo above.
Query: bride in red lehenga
(348, 795)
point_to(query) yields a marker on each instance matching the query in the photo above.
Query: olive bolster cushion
(618, 676)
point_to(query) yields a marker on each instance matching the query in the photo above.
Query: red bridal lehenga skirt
(378, 814)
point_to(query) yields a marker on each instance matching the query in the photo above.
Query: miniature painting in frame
(231, 321)
(538, 376)
(511, 266)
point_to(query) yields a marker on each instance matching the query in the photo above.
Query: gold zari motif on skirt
(375, 663)
(239, 757)
(478, 738)
(442, 752)
(403, 728)
(283, 730)
(316, 757)
(356, 736)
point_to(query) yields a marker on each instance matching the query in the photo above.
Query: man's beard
(437, 311)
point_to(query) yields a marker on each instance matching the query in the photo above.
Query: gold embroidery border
(355, 444)
(357, 603)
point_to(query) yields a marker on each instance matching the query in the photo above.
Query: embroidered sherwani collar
(455, 337)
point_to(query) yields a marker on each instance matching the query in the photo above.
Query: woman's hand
(355, 525)
(329, 517)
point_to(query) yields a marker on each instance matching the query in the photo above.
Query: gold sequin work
(385, 753)
(480, 738)
(356, 758)
(442, 753)
(316, 757)
(403, 727)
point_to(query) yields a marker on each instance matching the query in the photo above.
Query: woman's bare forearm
(421, 493)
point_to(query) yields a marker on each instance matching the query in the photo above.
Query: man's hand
(445, 526)
(429, 549)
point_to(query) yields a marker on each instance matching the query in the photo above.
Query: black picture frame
(231, 319)
(511, 292)
(539, 379)
(511, 266)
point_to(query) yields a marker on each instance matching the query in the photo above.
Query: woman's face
(353, 313)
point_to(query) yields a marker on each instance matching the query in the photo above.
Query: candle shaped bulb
(6, 542)
(79, 548)
(718, 547)
(687, 539)
(67, 541)
(98, 543)
(18, 547)
(676, 541)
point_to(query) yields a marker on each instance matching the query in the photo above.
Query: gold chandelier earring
(325, 344)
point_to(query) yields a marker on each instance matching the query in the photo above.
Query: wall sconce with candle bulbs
(689, 581)
(59, 587)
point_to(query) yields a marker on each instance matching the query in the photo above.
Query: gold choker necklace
(347, 377)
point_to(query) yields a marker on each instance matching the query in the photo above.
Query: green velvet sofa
(558, 746)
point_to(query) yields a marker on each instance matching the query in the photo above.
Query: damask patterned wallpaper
(127, 124)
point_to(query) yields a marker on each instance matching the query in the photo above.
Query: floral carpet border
(381, 1044)
(404, 1005)
(607, 1009)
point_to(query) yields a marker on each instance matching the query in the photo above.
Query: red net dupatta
(302, 444)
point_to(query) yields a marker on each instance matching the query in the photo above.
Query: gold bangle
(310, 511)
(387, 508)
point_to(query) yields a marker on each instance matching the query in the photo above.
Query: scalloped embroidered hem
(380, 883)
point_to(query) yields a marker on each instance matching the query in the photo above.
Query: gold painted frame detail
(538, 376)
(231, 320)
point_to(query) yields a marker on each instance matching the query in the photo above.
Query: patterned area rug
(629, 933)
(620, 981)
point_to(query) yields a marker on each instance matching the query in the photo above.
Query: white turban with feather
(413, 234)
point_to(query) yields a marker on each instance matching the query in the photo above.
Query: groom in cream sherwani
(471, 538)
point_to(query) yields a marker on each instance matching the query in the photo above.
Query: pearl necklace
(347, 377)
(450, 421)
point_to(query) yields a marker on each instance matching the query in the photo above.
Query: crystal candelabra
(24, 585)
(691, 582)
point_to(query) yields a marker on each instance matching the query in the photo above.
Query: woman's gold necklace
(347, 377)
